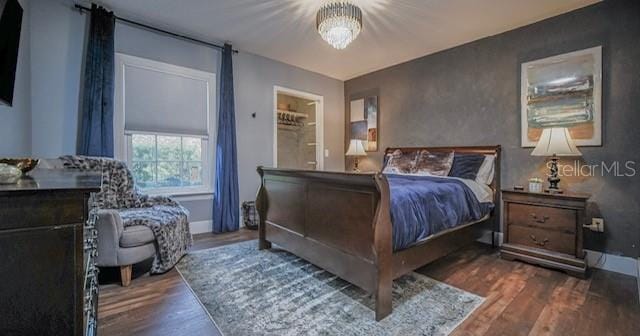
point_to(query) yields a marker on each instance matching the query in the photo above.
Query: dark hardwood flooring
(521, 299)
(157, 305)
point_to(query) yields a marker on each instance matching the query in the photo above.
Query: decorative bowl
(9, 174)
(25, 164)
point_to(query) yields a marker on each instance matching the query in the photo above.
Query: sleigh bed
(342, 222)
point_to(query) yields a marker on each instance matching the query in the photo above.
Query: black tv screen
(10, 24)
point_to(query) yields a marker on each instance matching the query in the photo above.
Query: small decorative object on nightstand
(545, 229)
(535, 184)
(555, 142)
(356, 149)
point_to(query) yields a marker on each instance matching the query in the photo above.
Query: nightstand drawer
(556, 219)
(542, 239)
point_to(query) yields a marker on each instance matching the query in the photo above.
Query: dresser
(48, 283)
(545, 229)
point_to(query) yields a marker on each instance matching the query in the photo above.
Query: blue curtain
(96, 127)
(226, 204)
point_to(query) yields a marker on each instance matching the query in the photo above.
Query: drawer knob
(540, 220)
(539, 243)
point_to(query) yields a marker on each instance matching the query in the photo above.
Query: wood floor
(521, 299)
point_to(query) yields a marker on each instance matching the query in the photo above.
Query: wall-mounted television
(10, 24)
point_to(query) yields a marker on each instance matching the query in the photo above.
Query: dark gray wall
(469, 95)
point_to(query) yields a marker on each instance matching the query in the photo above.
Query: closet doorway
(298, 137)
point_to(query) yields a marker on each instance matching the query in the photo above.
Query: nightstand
(545, 229)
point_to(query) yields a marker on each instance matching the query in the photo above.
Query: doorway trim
(319, 121)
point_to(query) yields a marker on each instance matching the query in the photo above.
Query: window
(164, 124)
(167, 161)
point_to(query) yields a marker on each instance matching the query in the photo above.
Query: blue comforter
(424, 205)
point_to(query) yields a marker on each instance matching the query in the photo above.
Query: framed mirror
(363, 119)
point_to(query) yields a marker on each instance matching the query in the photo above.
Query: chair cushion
(136, 235)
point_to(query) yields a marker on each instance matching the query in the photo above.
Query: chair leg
(125, 275)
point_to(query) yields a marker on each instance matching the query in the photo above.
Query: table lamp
(356, 149)
(555, 142)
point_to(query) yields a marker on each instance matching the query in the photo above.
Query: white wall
(255, 78)
(15, 121)
(57, 54)
(58, 36)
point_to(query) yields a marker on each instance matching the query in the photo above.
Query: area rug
(250, 292)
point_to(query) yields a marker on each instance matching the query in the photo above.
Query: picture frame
(364, 116)
(563, 91)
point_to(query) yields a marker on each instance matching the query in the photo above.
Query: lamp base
(355, 166)
(553, 178)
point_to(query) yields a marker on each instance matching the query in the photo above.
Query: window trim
(122, 137)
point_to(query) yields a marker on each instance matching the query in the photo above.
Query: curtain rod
(83, 9)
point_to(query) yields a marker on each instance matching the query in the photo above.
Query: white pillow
(487, 170)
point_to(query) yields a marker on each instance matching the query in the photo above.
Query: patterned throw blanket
(164, 216)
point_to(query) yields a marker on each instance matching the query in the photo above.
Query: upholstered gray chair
(133, 227)
(122, 247)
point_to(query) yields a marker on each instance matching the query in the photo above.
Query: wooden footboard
(337, 221)
(341, 222)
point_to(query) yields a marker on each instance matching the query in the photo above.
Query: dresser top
(564, 195)
(55, 179)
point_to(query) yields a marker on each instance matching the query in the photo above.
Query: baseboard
(206, 226)
(595, 259)
(488, 238)
(638, 280)
(612, 262)
(201, 226)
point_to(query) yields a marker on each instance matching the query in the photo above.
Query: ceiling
(394, 31)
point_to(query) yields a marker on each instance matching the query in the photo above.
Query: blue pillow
(466, 166)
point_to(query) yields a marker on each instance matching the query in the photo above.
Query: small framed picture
(363, 120)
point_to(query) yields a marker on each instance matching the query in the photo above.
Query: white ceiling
(394, 31)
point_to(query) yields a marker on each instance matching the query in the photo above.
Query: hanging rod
(83, 9)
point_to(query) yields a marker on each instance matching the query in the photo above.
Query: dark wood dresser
(545, 229)
(48, 284)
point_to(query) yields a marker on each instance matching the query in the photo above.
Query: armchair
(132, 226)
(122, 247)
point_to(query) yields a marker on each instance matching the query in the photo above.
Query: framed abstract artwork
(563, 91)
(363, 120)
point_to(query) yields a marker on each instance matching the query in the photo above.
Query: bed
(346, 224)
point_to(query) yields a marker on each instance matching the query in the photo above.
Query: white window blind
(158, 99)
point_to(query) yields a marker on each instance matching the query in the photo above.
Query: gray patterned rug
(250, 292)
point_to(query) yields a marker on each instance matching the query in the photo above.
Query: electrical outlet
(326, 153)
(597, 224)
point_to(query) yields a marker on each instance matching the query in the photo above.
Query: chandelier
(339, 23)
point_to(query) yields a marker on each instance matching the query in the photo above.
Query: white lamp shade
(356, 148)
(556, 141)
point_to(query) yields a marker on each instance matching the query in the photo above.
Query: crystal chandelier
(339, 23)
